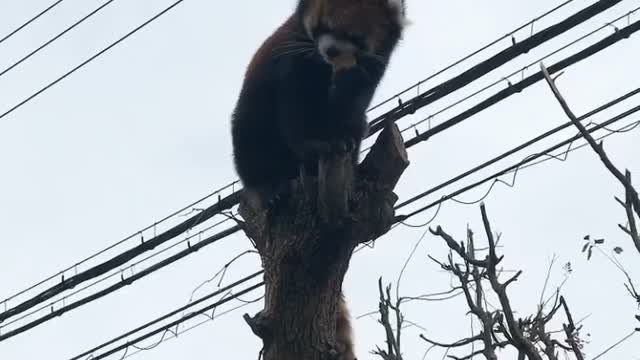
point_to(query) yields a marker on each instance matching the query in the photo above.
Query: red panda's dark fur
(292, 97)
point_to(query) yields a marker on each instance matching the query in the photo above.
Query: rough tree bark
(305, 257)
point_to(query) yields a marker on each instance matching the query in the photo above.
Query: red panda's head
(344, 29)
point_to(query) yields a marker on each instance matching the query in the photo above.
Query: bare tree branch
(632, 200)
(392, 339)
(459, 343)
(515, 331)
(570, 331)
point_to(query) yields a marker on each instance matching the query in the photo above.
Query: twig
(393, 339)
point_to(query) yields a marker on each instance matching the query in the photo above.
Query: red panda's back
(265, 53)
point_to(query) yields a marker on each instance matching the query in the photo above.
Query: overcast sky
(144, 130)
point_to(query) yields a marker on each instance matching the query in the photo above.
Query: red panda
(307, 90)
(308, 87)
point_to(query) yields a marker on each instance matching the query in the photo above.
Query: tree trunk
(305, 257)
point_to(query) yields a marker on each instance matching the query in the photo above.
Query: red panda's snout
(340, 54)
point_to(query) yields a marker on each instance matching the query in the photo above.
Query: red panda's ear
(400, 8)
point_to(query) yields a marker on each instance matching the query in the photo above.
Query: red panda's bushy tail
(344, 337)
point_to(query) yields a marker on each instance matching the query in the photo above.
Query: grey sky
(144, 130)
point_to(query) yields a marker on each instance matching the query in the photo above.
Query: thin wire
(24, 25)
(190, 305)
(97, 55)
(520, 166)
(174, 323)
(616, 344)
(205, 321)
(408, 260)
(523, 146)
(53, 39)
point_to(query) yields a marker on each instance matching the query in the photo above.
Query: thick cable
(496, 61)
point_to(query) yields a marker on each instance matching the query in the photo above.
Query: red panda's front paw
(315, 148)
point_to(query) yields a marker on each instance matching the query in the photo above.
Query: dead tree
(305, 246)
(500, 328)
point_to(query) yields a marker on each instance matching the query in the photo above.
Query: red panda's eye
(357, 40)
(321, 28)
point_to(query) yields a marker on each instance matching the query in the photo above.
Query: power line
(472, 54)
(24, 25)
(520, 147)
(167, 327)
(505, 79)
(485, 67)
(169, 315)
(97, 55)
(190, 328)
(524, 68)
(53, 39)
(514, 168)
(527, 82)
